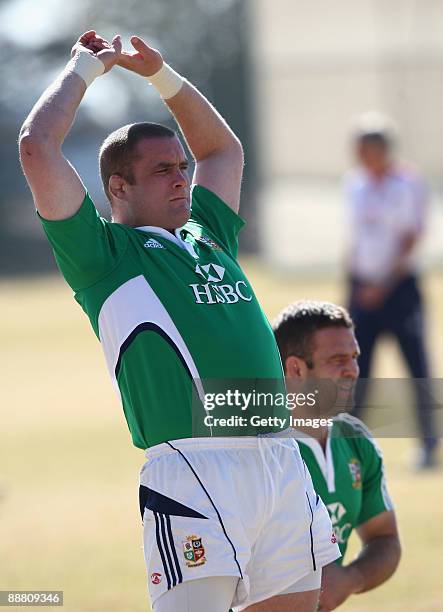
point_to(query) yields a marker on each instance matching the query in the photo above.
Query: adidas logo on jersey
(153, 244)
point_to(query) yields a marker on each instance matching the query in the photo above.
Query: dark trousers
(401, 314)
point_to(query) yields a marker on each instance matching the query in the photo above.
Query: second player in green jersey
(317, 344)
(348, 474)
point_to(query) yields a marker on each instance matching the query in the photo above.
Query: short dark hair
(380, 139)
(294, 327)
(117, 152)
(375, 128)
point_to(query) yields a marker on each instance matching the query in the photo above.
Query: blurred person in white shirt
(387, 205)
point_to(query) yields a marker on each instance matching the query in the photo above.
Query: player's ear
(116, 186)
(295, 367)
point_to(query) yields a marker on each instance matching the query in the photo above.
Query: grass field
(68, 473)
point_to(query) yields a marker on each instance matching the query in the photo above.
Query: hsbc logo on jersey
(211, 272)
(342, 532)
(336, 512)
(212, 292)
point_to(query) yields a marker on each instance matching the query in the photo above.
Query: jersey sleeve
(215, 216)
(375, 496)
(86, 246)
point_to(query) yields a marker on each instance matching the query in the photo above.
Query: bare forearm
(205, 130)
(51, 118)
(214, 146)
(376, 563)
(57, 189)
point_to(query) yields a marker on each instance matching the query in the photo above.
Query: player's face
(160, 193)
(335, 358)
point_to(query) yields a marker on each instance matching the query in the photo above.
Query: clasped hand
(145, 60)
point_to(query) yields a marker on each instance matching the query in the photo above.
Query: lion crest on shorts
(194, 551)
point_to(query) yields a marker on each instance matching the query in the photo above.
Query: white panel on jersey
(324, 459)
(131, 304)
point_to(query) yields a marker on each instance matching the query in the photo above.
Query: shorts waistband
(244, 442)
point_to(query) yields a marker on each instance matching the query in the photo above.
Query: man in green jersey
(172, 309)
(317, 343)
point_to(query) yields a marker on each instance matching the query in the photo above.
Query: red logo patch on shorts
(156, 578)
(333, 538)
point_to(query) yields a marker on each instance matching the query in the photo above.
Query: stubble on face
(335, 353)
(160, 192)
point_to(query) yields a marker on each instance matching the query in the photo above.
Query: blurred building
(317, 65)
(311, 65)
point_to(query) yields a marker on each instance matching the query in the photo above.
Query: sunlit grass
(68, 473)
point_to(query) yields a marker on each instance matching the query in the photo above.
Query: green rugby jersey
(169, 310)
(348, 475)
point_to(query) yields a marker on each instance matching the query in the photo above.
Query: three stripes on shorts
(166, 547)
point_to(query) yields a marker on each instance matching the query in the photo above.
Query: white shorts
(241, 507)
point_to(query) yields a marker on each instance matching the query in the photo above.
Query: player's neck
(318, 433)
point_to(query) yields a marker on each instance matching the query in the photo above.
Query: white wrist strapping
(86, 65)
(166, 81)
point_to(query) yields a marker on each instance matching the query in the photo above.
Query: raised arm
(57, 189)
(217, 151)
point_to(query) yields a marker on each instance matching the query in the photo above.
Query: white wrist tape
(86, 65)
(166, 81)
